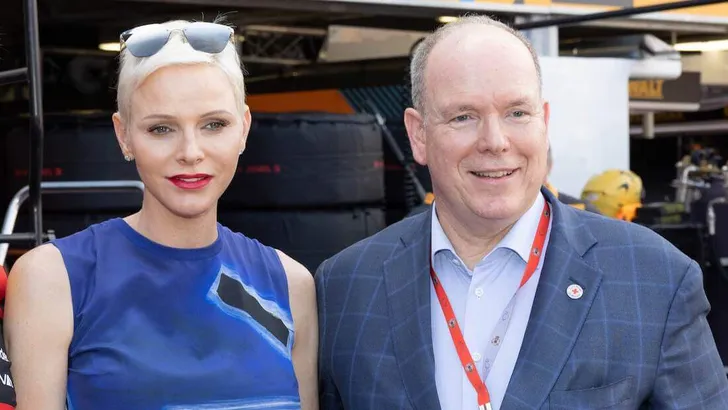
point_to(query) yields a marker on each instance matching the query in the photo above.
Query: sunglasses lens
(208, 37)
(145, 41)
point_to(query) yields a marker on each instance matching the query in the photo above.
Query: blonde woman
(166, 308)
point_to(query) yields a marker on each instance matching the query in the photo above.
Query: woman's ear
(247, 119)
(121, 136)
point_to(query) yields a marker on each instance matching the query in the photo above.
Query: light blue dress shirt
(479, 298)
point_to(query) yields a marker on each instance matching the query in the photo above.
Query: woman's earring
(127, 158)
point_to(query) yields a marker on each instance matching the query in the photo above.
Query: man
(610, 315)
(565, 198)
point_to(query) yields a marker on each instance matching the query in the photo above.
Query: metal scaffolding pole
(625, 12)
(32, 74)
(35, 83)
(18, 75)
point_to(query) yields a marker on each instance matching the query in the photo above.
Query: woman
(166, 309)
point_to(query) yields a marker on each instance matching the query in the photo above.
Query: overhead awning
(716, 14)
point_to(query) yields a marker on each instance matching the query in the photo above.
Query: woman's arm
(302, 293)
(38, 327)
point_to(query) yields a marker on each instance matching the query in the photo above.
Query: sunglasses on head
(145, 41)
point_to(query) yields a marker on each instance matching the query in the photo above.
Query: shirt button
(477, 357)
(479, 292)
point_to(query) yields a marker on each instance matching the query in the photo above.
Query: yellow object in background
(616, 193)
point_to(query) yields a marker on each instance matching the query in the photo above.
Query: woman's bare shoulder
(301, 289)
(297, 274)
(42, 263)
(38, 278)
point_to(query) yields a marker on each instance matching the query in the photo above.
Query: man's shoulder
(645, 248)
(375, 249)
(615, 231)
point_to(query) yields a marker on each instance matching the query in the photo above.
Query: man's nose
(492, 137)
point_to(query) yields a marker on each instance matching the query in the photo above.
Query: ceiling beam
(648, 26)
(433, 8)
(402, 8)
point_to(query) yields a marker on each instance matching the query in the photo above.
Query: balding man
(501, 297)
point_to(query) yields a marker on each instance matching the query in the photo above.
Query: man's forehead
(479, 37)
(493, 60)
(482, 42)
(449, 102)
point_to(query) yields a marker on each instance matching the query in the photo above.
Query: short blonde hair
(133, 70)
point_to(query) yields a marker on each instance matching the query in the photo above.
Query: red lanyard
(457, 336)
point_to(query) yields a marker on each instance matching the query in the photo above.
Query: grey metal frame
(65, 187)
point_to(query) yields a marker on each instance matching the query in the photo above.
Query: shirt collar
(519, 239)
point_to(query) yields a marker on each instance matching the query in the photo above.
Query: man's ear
(121, 136)
(414, 123)
(546, 114)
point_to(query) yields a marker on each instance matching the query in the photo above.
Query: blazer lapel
(407, 281)
(556, 318)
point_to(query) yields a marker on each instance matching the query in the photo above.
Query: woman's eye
(159, 129)
(216, 125)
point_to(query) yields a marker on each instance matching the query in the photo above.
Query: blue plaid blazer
(638, 338)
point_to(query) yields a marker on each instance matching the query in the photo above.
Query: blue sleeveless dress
(165, 328)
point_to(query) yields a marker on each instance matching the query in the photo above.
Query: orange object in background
(331, 101)
(628, 212)
(429, 198)
(3, 282)
(3, 287)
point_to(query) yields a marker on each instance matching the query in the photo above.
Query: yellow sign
(646, 89)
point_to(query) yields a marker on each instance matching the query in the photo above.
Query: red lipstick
(190, 181)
